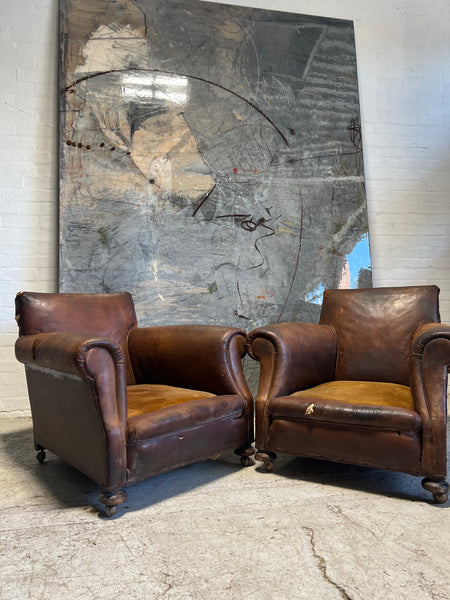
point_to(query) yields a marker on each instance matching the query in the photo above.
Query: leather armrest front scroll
(65, 352)
(99, 360)
(429, 364)
(203, 357)
(293, 356)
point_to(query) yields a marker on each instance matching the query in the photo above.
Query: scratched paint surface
(211, 160)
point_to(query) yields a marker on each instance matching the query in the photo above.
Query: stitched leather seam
(347, 423)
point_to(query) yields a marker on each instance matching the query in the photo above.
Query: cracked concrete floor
(217, 531)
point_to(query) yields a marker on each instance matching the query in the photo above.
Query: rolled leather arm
(100, 363)
(203, 357)
(427, 333)
(293, 356)
(430, 361)
(65, 352)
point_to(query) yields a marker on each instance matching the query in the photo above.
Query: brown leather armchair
(122, 403)
(366, 386)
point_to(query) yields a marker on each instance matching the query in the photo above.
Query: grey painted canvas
(211, 160)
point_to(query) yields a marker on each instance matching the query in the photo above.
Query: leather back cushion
(97, 315)
(375, 327)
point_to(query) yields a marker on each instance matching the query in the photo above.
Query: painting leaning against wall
(211, 160)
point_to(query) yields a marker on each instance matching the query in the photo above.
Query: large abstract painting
(211, 160)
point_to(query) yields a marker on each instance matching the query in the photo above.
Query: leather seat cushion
(157, 409)
(355, 403)
(147, 398)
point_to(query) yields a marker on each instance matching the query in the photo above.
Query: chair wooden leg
(111, 500)
(245, 454)
(268, 459)
(439, 489)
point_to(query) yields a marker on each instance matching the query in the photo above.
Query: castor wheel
(110, 510)
(270, 467)
(40, 456)
(267, 458)
(245, 454)
(111, 500)
(439, 489)
(440, 498)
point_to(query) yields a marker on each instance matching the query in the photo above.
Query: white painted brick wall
(403, 51)
(28, 172)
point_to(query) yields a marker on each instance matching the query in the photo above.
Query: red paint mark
(264, 296)
(235, 171)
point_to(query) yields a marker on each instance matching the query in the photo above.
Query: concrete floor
(217, 531)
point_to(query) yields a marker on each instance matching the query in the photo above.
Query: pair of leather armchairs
(367, 385)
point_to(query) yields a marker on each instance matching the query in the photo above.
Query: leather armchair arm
(202, 357)
(429, 364)
(293, 356)
(77, 384)
(98, 360)
(65, 352)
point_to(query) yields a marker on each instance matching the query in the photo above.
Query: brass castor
(110, 510)
(270, 466)
(245, 454)
(439, 489)
(111, 500)
(40, 456)
(267, 458)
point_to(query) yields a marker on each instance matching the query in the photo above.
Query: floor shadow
(354, 477)
(68, 487)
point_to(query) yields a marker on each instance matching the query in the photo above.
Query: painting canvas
(211, 160)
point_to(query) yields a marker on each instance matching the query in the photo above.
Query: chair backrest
(375, 327)
(104, 315)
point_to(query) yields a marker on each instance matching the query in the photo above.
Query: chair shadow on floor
(366, 480)
(67, 487)
(353, 477)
